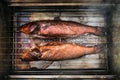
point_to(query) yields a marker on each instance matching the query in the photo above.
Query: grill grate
(22, 41)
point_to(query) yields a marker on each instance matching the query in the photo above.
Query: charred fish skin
(59, 51)
(58, 28)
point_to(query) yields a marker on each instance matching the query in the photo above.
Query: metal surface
(57, 2)
(62, 76)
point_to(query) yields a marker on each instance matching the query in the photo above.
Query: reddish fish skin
(58, 28)
(58, 51)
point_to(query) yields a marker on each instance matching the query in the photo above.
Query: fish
(55, 51)
(58, 29)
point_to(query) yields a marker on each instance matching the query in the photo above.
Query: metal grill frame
(67, 9)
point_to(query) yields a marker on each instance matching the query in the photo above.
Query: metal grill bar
(57, 4)
(62, 76)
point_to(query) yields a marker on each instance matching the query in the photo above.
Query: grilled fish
(58, 28)
(58, 51)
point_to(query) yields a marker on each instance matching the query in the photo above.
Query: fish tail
(99, 48)
(101, 31)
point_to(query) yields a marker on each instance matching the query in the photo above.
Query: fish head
(31, 55)
(29, 28)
